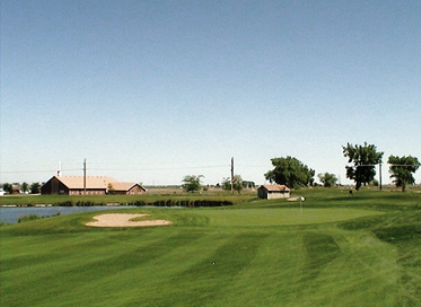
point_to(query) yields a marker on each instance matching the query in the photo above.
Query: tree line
(192, 183)
(12, 188)
(361, 168)
(291, 172)
(363, 160)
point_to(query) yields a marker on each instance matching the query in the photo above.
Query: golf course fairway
(216, 257)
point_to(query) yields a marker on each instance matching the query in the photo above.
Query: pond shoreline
(52, 205)
(11, 215)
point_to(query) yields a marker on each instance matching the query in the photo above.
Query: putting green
(281, 217)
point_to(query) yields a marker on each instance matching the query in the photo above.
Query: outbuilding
(273, 191)
(90, 185)
(125, 188)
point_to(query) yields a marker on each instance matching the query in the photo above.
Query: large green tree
(8, 188)
(402, 169)
(291, 172)
(35, 188)
(327, 179)
(25, 187)
(192, 183)
(364, 159)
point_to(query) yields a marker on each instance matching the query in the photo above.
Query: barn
(90, 185)
(273, 191)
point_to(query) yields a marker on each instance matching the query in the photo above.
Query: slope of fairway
(197, 268)
(227, 257)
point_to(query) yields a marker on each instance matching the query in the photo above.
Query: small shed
(273, 191)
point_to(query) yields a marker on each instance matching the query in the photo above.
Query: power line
(171, 168)
(157, 168)
(36, 171)
(387, 164)
(117, 169)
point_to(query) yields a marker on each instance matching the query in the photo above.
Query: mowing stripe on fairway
(281, 217)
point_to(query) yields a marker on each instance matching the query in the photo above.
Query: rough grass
(257, 254)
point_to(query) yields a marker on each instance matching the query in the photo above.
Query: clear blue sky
(151, 91)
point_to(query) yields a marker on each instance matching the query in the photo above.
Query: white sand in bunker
(124, 220)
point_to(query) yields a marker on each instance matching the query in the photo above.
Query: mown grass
(335, 252)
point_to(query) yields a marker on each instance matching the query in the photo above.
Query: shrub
(139, 203)
(88, 204)
(64, 204)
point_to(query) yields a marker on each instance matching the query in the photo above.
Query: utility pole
(380, 176)
(84, 177)
(232, 175)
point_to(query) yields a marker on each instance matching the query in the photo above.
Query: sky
(152, 91)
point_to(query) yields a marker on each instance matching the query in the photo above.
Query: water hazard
(12, 215)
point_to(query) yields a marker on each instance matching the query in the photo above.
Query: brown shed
(273, 191)
(125, 188)
(75, 185)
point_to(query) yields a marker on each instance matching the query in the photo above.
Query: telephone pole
(84, 177)
(232, 175)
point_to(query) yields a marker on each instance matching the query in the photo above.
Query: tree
(248, 184)
(192, 183)
(226, 184)
(25, 187)
(327, 179)
(291, 172)
(35, 188)
(8, 188)
(238, 184)
(401, 169)
(364, 159)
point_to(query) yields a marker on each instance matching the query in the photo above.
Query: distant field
(336, 251)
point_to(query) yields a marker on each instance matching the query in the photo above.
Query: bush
(190, 203)
(139, 203)
(88, 204)
(64, 204)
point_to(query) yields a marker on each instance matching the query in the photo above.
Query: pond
(11, 215)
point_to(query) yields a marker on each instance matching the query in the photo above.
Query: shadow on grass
(321, 250)
(211, 276)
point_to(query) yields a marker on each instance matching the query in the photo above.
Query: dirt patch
(124, 220)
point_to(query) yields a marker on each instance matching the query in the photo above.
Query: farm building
(15, 189)
(273, 191)
(75, 185)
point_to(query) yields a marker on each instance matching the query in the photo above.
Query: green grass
(337, 251)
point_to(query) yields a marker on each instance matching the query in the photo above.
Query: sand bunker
(124, 220)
